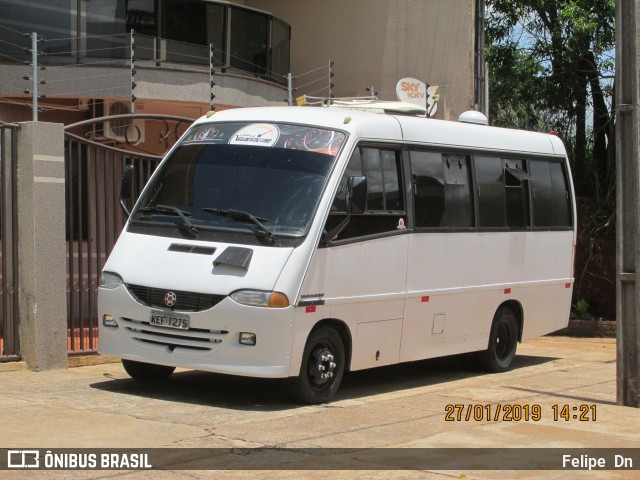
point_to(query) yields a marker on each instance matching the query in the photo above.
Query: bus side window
(427, 176)
(516, 195)
(354, 168)
(502, 188)
(385, 202)
(551, 199)
(490, 189)
(458, 203)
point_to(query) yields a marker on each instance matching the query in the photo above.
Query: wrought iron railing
(96, 153)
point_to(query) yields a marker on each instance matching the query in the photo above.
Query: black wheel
(147, 372)
(322, 368)
(503, 342)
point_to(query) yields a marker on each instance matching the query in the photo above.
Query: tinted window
(491, 198)
(516, 193)
(458, 204)
(249, 40)
(382, 169)
(263, 169)
(551, 200)
(385, 203)
(427, 175)
(280, 47)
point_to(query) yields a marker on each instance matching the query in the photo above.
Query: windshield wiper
(171, 209)
(248, 217)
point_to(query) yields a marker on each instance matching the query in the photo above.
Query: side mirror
(126, 186)
(356, 195)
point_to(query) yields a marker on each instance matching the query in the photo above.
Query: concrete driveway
(99, 406)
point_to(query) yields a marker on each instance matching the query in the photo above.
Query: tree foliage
(551, 68)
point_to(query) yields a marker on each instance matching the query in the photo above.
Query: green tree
(551, 65)
(551, 68)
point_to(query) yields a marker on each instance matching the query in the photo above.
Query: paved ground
(401, 406)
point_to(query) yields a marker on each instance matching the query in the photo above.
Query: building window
(280, 48)
(249, 40)
(53, 19)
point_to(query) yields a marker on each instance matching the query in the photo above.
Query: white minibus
(304, 242)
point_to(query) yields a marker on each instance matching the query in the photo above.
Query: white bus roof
(395, 128)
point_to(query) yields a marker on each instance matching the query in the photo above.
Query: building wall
(377, 42)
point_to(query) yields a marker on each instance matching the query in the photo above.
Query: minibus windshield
(262, 180)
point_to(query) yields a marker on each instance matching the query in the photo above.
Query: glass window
(541, 193)
(280, 47)
(108, 26)
(458, 203)
(53, 19)
(235, 166)
(427, 175)
(516, 193)
(385, 202)
(560, 193)
(184, 25)
(491, 191)
(185, 21)
(216, 32)
(441, 189)
(249, 40)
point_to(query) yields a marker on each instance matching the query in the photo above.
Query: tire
(322, 369)
(147, 372)
(503, 342)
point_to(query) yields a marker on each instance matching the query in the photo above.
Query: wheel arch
(516, 307)
(344, 332)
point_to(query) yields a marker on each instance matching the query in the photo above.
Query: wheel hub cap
(322, 366)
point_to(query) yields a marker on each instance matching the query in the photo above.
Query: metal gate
(9, 341)
(96, 153)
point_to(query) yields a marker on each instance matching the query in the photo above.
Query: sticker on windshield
(262, 134)
(290, 137)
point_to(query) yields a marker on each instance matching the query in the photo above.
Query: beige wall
(377, 42)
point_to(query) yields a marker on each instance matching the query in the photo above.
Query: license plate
(166, 318)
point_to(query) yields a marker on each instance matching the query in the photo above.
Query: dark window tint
(280, 47)
(382, 169)
(249, 40)
(441, 190)
(560, 193)
(516, 193)
(491, 195)
(458, 204)
(427, 175)
(385, 204)
(551, 201)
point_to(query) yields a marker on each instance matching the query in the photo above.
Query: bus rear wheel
(147, 372)
(323, 364)
(503, 341)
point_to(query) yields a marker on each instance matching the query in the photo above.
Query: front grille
(185, 301)
(192, 339)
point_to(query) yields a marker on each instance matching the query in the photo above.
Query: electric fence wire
(322, 79)
(86, 37)
(12, 30)
(74, 52)
(14, 45)
(311, 71)
(85, 63)
(270, 72)
(14, 59)
(8, 100)
(317, 91)
(128, 74)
